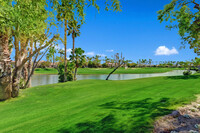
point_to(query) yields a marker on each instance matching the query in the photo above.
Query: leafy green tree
(196, 63)
(27, 23)
(26, 20)
(68, 10)
(65, 12)
(187, 65)
(6, 11)
(78, 59)
(183, 15)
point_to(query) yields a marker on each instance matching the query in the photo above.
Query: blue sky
(135, 32)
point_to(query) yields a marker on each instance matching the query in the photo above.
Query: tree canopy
(185, 16)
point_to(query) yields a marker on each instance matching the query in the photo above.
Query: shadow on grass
(184, 77)
(105, 125)
(129, 117)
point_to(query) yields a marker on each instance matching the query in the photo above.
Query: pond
(37, 80)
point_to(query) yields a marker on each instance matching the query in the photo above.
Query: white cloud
(163, 50)
(69, 50)
(90, 54)
(110, 50)
(102, 55)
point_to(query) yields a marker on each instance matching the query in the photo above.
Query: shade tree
(184, 16)
(24, 21)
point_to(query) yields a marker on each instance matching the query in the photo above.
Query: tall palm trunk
(73, 52)
(65, 60)
(75, 73)
(5, 68)
(73, 38)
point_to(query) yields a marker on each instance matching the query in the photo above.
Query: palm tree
(144, 61)
(150, 62)
(65, 11)
(74, 30)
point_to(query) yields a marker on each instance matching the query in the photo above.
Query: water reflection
(37, 80)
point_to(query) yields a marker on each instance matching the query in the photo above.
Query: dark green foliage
(61, 72)
(78, 59)
(90, 64)
(183, 15)
(131, 64)
(94, 62)
(104, 65)
(187, 73)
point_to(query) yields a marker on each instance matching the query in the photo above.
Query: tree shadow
(129, 117)
(184, 77)
(105, 125)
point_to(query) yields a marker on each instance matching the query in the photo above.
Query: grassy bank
(95, 106)
(108, 70)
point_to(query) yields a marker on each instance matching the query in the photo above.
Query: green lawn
(95, 106)
(108, 70)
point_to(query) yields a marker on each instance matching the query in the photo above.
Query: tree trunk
(73, 52)
(53, 61)
(24, 75)
(75, 73)
(65, 60)
(114, 70)
(19, 57)
(15, 82)
(35, 64)
(73, 38)
(5, 68)
(30, 61)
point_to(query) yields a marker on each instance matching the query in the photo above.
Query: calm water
(37, 80)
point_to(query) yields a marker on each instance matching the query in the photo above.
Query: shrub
(186, 73)
(131, 64)
(61, 72)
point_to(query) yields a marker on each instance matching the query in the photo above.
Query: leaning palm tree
(74, 30)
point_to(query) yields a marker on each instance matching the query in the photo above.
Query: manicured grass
(108, 70)
(95, 106)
